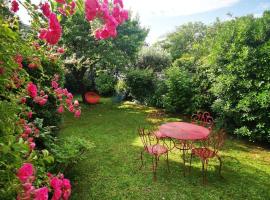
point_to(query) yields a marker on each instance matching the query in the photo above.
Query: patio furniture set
(194, 139)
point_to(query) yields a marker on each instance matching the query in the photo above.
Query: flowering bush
(28, 89)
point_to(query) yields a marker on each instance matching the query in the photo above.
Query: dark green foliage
(105, 83)
(229, 69)
(178, 96)
(68, 152)
(140, 83)
(153, 58)
(86, 55)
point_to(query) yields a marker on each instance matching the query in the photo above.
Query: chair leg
(184, 161)
(203, 172)
(155, 161)
(220, 165)
(191, 156)
(167, 160)
(141, 160)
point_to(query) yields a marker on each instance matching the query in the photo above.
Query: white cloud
(153, 8)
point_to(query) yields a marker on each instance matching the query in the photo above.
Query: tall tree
(85, 53)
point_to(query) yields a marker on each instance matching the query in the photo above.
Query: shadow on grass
(111, 170)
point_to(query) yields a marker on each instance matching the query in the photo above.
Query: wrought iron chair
(154, 148)
(212, 146)
(203, 119)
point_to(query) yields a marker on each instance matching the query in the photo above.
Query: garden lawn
(111, 169)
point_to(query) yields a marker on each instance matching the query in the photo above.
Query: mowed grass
(111, 169)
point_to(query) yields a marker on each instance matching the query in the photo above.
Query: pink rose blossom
(25, 172)
(30, 114)
(60, 109)
(57, 194)
(56, 183)
(43, 101)
(77, 113)
(76, 103)
(55, 84)
(14, 6)
(60, 1)
(120, 2)
(23, 100)
(36, 132)
(91, 9)
(53, 34)
(27, 130)
(71, 108)
(66, 189)
(70, 96)
(46, 10)
(32, 90)
(61, 50)
(41, 194)
(68, 101)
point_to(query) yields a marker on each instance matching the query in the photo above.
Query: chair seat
(156, 149)
(203, 153)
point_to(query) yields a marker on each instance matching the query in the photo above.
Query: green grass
(111, 170)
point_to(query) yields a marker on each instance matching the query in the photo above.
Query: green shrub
(105, 83)
(68, 151)
(141, 84)
(153, 58)
(178, 97)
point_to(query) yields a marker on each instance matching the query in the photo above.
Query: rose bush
(28, 89)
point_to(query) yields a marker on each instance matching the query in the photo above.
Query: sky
(162, 16)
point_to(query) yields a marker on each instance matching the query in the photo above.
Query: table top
(182, 131)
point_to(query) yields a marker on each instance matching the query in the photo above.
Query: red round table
(182, 131)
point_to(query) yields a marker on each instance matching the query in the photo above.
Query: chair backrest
(147, 137)
(203, 119)
(216, 139)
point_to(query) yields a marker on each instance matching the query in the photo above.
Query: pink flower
(18, 60)
(71, 108)
(60, 109)
(57, 194)
(68, 101)
(32, 90)
(46, 10)
(25, 172)
(76, 103)
(30, 114)
(27, 130)
(72, 6)
(32, 65)
(32, 146)
(23, 100)
(60, 1)
(65, 91)
(54, 84)
(120, 2)
(14, 6)
(53, 34)
(70, 96)
(66, 189)
(43, 101)
(77, 113)
(61, 50)
(91, 9)
(56, 183)
(41, 193)
(36, 132)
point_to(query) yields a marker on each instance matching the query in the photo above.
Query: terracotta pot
(92, 97)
